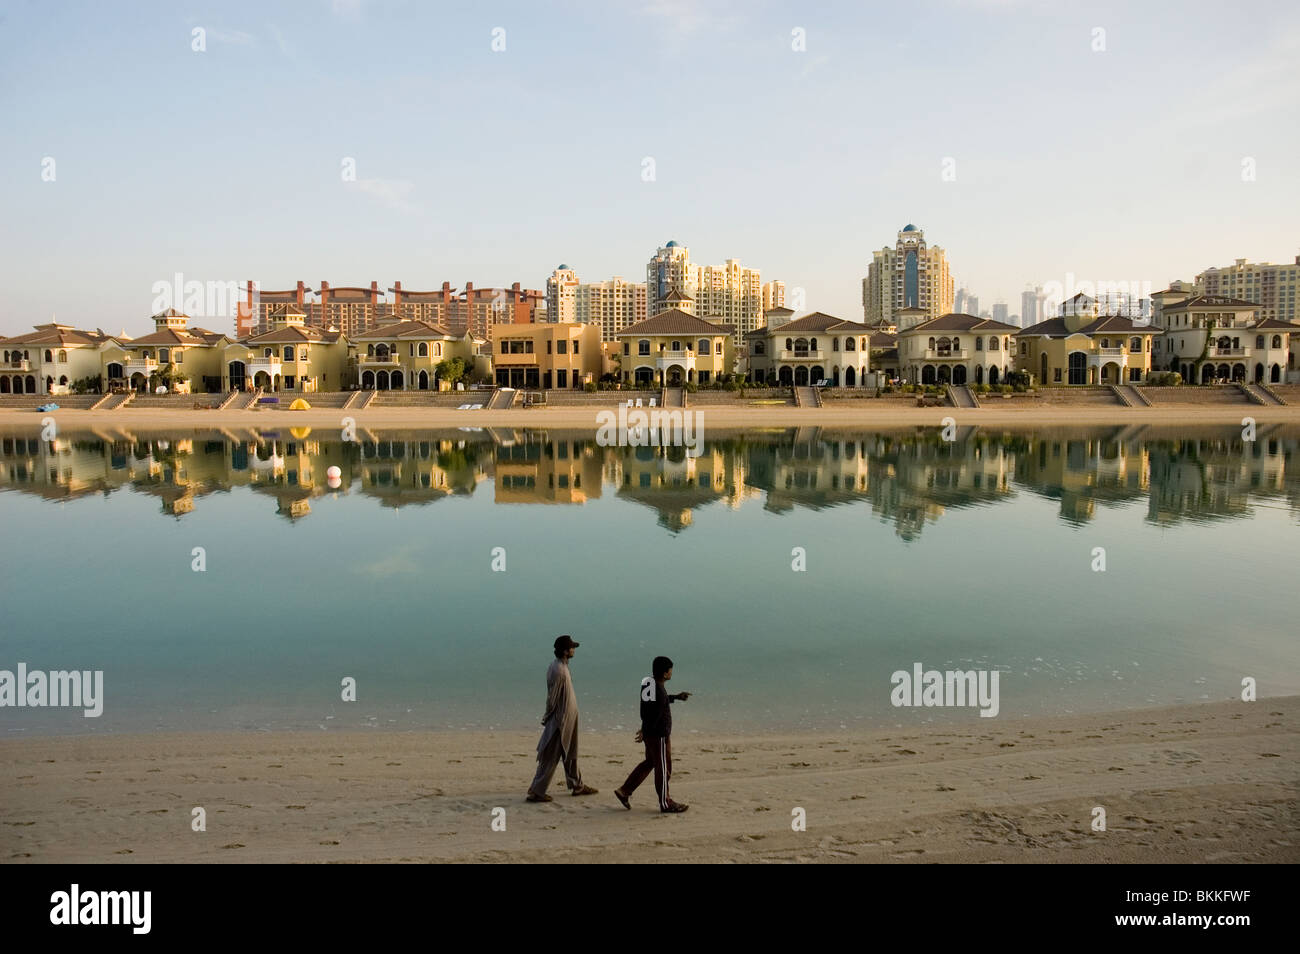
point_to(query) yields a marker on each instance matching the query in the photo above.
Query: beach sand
(845, 415)
(1215, 782)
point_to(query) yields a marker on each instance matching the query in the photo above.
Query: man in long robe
(559, 741)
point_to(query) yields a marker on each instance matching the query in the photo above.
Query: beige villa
(49, 360)
(955, 349)
(566, 354)
(1081, 347)
(404, 356)
(816, 347)
(672, 349)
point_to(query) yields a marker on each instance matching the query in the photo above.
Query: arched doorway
(1078, 367)
(801, 376)
(368, 380)
(1275, 375)
(1259, 373)
(927, 374)
(818, 373)
(979, 374)
(786, 377)
(422, 382)
(835, 376)
(675, 376)
(1207, 373)
(644, 375)
(1110, 373)
(262, 380)
(115, 371)
(397, 381)
(1239, 372)
(850, 378)
(1042, 377)
(49, 384)
(993, 376)
(237, 375)
(4, 385)
(944, 374)
(139, 382)
(959, 374)
(381, 381)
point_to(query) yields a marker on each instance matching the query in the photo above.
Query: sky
(1035, 141)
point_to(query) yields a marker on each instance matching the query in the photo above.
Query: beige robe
(561, 718)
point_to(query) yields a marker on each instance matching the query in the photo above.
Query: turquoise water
(970, 554)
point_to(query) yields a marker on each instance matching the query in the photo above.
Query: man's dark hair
(660, 666)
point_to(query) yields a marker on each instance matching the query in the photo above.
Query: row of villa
(1205, 339)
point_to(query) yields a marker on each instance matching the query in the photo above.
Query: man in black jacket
(656, 728)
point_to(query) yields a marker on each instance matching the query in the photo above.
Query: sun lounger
(464, 407)
(638, 402)
(652, 402)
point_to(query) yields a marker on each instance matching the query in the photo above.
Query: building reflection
(907, 479)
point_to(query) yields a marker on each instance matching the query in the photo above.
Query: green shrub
(590, 387)
(1007, 388)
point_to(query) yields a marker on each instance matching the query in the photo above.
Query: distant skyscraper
(972, 305)
(773, 296)
(912, 274)
(560, 290)
(729, 294)
(1272, 287)
(1000, 311)
(612, 305)
(1031, 306)
(959, 301)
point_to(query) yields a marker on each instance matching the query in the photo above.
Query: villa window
(423, 351)
(302, 356)
(717, 346)
(835, 344)
(677, 346)
(370, 351)
(979, 344)
(63, 357)
(1135, 345)
(627, 348)
(812, 345)
(789, 345)
(575, 345)
(562, 347)
(993, 344)
(164, 355)
(548, 345)
(931, 344)
(956, 344)
(288, 352)
(849, 344)
(703, 346)
(49, 355)
(643, 346)
(437, 349)
(267, 352)
(178, 356)
(1277, 341)
(759, 348)
(1105, 342)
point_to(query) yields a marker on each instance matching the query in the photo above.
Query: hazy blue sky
(494, 167)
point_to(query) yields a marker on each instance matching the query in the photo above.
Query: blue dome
(563, 268)
(909, 227)
(671, 244)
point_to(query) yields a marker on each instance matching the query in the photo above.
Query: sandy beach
(1215, 782)
(846, 415)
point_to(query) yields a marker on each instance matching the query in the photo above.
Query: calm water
(973, 554)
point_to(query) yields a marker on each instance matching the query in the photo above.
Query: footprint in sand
(233, 845)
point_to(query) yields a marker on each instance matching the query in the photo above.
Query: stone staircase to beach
(111, 402)
(1130, 395)
(1261, 394)
(961, 396)
(673, 397)
(501, 398)
(805, 396)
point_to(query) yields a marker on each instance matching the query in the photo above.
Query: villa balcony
(1108, 356)
(1111, 352)
(386, 360)
(1214, 352)
(801, 355)
(21, 365)
(948, 355)
(270, 365)
(666, 359)
(141, 366)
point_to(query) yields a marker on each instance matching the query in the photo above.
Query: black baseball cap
(565, 642)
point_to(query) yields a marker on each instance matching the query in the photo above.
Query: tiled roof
(1277, 324)
(955, 322)
(293, 334)
(674, 322)
(54, 334)
(819, 321)
(1106, 324)
(413, 328)
(1210, 301)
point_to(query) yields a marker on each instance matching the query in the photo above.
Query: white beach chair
(463, 407)
(652, 402)
(638, 402)
(629, 402)
(476, 407)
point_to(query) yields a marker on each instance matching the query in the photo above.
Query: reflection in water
(907, 478)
